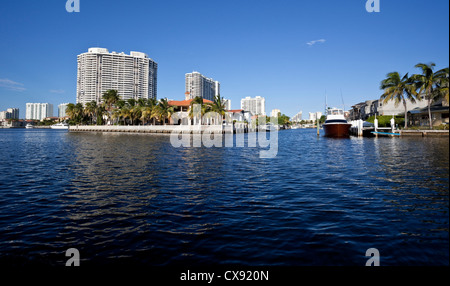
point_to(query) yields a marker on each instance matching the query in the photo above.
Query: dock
(361, 129)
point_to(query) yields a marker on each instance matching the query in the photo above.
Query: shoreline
(197, 129)
(182, 129)
(35, 127)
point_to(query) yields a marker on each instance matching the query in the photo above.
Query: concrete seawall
(424, 133)
(186, 129)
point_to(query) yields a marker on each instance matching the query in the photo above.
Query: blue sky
(291, 52)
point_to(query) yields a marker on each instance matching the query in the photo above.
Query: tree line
(114, 110)
(427, 85)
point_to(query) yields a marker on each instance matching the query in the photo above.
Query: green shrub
(385, 120)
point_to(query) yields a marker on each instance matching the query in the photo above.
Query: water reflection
(414, 175)
(127, 189)
(129, 198)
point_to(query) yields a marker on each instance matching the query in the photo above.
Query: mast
(342, 98)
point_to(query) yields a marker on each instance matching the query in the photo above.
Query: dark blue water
(121, 198)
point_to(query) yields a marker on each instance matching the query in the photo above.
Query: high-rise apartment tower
(134, 76)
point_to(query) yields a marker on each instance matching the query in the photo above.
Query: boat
(270, 127)
(29, 126)
(61, 125)
(336, 125)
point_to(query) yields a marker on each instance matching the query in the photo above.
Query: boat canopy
(335, 111)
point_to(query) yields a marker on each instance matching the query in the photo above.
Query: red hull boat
(337, 129)
(336, 125)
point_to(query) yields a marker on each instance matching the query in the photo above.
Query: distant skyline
(290, 52)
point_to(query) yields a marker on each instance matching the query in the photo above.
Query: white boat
(60, 126)
(270, 127)
(29, 126)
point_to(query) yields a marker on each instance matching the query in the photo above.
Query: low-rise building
(420, 116)
(240, 115)
(182, 109)
(366, 109)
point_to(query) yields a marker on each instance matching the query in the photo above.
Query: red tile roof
(186, 103)
(236, 110)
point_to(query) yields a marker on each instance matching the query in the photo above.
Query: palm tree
(164, 110)
(134, 109)
(149, 111)
(70, 110)
(400, 89)
(116, 115)
(110, 97)
(146, 113)
(434, 85)
(443, 84)
(217, 106)
(90, 110)
(136, 113)
(125, 113)
(75, 112)
(141, 102)
(100, 111)
(204, 108)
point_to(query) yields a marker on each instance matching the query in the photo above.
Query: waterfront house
(364, 110)
(182, 109)
(240, 115)
(355, 112)
(439, 114)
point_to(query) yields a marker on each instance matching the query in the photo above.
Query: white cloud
(58, 91)
(312, 43)
(11, 85)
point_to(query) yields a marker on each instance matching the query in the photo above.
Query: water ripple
(122, 198)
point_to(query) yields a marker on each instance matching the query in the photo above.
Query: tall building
(257, 105)
(10, 113)
(14, 112)
(62, 110)
(38, 111)
(275, 112)
(313, 116)
(3, 115)
(199, 85)
(227, 104)
(134, 76)
(297, 117)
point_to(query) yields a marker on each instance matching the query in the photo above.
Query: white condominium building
(62, 110)
(227, 103)
(10, 113)
(199, 85)
(257, 105)
(275, 112)
(38, 111)
(134, 76)
(297, 117)
(14, 112)
(313, 116)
